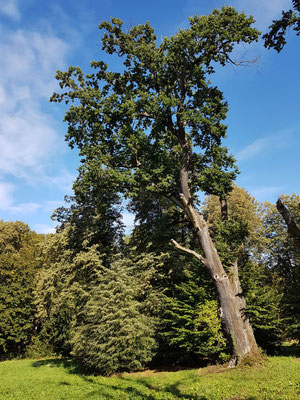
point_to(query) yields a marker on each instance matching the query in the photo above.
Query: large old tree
(156, 127)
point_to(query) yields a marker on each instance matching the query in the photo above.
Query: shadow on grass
(109, 391)
(137, 388)
(68, 364)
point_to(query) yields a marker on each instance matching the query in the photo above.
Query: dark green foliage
(275, 38)
(114, 334)
(264, 295)
(18, 267)
(191, 328)
(94, 214)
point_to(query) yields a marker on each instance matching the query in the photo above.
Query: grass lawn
(58, 379)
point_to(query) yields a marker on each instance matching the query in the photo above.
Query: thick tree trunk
(235, 322)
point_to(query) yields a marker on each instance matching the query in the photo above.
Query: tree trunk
(232, 303)
(235, 322)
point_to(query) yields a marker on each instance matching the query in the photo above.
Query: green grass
(57, 379)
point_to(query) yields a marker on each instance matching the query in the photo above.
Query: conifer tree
(114, 334)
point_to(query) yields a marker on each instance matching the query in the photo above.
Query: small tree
(114, 335)
(157, 128)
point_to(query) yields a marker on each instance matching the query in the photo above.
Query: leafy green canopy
(129, 121)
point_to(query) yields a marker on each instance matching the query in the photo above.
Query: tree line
(138, 302)
(193, 282)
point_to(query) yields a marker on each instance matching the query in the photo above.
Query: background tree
(275, 38)
(18, 267)
(63, 287)
(93, 216)
(157, 127)
(283, 257)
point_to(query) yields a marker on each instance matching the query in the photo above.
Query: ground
(277, 378)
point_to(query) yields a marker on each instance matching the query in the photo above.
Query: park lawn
(58, 379)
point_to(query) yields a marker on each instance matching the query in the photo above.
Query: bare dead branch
(189, 251)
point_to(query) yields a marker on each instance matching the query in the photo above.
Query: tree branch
(189, 251)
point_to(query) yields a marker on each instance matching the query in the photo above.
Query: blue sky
(38, 37)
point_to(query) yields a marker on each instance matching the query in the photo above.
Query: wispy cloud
(10, 9)
(51, 205)
(263, 11)
(252, 149)
(266, 193)
(26, 141)
(7, 201)
(30, 59)
(29, 141)
(63, 181)
(6, 195)
(9, 204)
(268, 143)
(24, 208)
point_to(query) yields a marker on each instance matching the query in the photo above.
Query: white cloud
(264, 11)
(276, 141)
(31, 59)
(6, 197)
(63, 182)
(252, 149)
(43, 228)
(10, 9)
(24, 208)
(266, 193)
(7, 201)
(52, 205)
(28, 139)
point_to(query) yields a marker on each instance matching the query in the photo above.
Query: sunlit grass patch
(61, 379)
